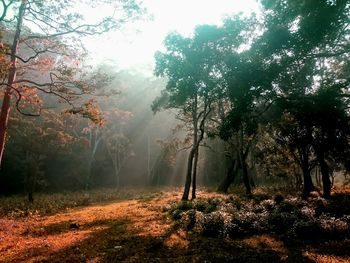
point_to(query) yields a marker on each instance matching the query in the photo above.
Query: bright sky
(136, 44)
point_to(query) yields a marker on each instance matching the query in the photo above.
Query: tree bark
(193, 150)
(194, 175)
(5, 108)
(229, 178)
(308, 184)
(246, 177)
(243, 164)
(188, 175)
(326, 182)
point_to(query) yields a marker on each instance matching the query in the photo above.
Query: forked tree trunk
(326, 182)
(5, 108)
(194, 174)
(229, 178)
(188, 175)
(192, 152)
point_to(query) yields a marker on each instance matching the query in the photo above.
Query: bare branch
(5, 9)
(82, 29)
(35, 23)
(185, 148)
(37, 53)
(18, 100)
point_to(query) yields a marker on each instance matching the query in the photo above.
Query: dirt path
(95, 233)
(134, 231)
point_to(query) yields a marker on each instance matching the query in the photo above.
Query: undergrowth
(290, 216)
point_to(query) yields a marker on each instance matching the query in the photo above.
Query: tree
(190, 66)
(117, 143)
(306, 39)
(284, 63)
(45, 38)
(34, 140)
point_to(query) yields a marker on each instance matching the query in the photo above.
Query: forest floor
(138, 229)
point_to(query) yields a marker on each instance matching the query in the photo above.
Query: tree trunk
(229, 178)
(308, 185)
(246, 177)
(188, 175)
(94, 142)
(251, 178)
(194, 175)
(243, 164)
(5, 108)
(326, 182)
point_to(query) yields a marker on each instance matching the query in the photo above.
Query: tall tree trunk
(308, 184)
(326, 182)
(188, 175)
(5, 108)
(243, 164)
(251, 178)
(246, 177)
(194, 174)
(94, 142)
(229, 178)
(193, 150)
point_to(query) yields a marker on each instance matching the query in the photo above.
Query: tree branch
(37, 53)
(82, 29)
(5, 9)
(18, 100)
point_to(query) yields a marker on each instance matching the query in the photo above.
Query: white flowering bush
(312, 219)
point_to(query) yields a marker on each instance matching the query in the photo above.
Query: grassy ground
(135, 225)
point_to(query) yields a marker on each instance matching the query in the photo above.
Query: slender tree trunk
(5, 108)
(116, 170)
(95, 140)
(148, 160)
(188, 175)
(194, 174)
(317, 175)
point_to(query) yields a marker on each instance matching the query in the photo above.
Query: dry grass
(46, 204)
(137, 228)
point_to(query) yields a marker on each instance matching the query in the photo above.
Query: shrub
(200, 205)
(268, 204)
(176, 214)
(184, 205)
(307, 230)
(335, 228)
(188, 219)
(281, 222)
(216, 224)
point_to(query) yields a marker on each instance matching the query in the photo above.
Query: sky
(135, 44)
